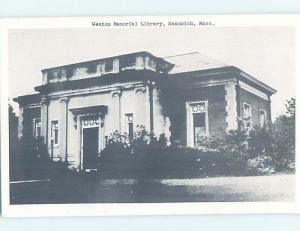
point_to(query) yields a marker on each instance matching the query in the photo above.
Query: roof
(28, 99)
(192, 62)
(202, 65)
(108, 58)
(181, 79)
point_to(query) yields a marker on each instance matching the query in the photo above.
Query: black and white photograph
(151, 111)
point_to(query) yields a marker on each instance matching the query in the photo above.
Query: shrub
(33, 161)
(242, 152)
(283, 135)
(208, 144)
(259, 143)
(260, 165)
(122, 152)
(248, 152)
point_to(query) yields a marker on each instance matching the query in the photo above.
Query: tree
(14, 148)
(13, 127)
(283, 132)
(290, 107)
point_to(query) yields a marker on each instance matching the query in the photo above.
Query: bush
(31, 161)
(208, 144)
(121, 152)
(242, 152)
(283, 135)
(260, 165)
(248, 152)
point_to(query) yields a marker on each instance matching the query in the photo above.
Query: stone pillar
(117, 108)
(231, 106)
(63, 129)
(77, 138)
(20, 123)
(149, 106)
(44, 119)
(140, 117)
(159, 119)
(147, 109)
(269, 114)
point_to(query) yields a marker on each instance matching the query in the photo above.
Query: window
(102, 68)
(140, 62)
(152, 63)
(147, 61)
(129, 61)
(247, 110)
(262, 118)
(247, 115)
(37, 127)
(199, 121)
(129, 124)
(108, 66)
(116, 65)
(54, 132)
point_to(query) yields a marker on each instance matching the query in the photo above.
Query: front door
(90, 147)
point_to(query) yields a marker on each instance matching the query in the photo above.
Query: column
(20, 124)
(269, 115)
(231, 106)
(44, 119)
(140, 116)
(63, 129)
(117, 108)
(147, 109)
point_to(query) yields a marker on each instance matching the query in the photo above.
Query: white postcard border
(108, 209)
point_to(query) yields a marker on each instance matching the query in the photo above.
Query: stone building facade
(184, 97)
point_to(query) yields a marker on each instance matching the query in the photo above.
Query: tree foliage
(290, 107)
(283, 134)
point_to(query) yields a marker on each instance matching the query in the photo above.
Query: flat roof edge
(103, 59)
(228, 69)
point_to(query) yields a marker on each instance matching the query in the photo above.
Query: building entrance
(90, 143)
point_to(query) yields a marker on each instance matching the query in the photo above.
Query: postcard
(149, 115)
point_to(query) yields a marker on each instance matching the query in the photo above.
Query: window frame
(265, 118)
(130, 133)
(35, 127)
(116, 65)
(250, 109)
(190, 122)
(248, 118)
(109, 66)
(52, 137)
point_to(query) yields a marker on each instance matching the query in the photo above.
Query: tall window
(129, 123)
(54, 132)
(247, 115)
(116, 65)
(262, 118)
(108, 66)
(129, 61)
(199, 121)
(152, 63)
(247, 110)
(102, 68)
(37, 127)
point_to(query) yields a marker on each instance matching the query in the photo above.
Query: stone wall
(215, 97)
(257, 103)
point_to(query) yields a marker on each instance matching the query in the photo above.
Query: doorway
(90, 147)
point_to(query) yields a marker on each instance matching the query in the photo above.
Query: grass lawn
(90, 188)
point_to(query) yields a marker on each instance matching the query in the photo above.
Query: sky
(267, 53)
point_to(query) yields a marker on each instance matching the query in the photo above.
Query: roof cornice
(238, 73)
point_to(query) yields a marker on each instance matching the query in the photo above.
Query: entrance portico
(89, 122)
